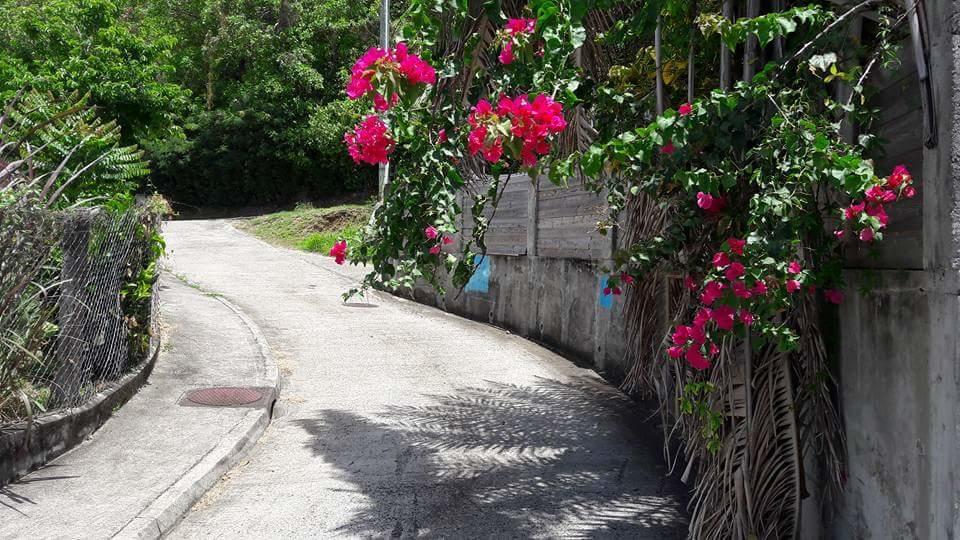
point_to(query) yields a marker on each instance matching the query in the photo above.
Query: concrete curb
(176, 500)
(55, 434)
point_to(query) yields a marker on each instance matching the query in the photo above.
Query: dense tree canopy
(234, 101)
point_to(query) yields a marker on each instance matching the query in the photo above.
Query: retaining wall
(897, 345)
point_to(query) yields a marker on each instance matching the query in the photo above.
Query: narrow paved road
(399, 420)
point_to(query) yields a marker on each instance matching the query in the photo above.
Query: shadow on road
(553, 458)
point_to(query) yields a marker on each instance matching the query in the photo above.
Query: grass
(309, 228)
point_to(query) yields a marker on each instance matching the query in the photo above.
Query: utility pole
(384, 175)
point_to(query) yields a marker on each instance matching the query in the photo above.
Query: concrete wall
(543, 277)
(897, 345)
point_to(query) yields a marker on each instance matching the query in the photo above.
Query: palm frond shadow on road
(552, 458)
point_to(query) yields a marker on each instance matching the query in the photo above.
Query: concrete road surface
(399, 420)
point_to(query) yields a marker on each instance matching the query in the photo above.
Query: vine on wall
(754, 191)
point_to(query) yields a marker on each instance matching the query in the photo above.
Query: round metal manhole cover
(224, 396)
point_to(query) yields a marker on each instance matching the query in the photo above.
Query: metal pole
(384, 175)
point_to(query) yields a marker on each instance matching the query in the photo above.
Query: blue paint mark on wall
(606, 300)
(480, 281)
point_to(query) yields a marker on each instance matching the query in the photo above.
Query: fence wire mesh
(76, 303)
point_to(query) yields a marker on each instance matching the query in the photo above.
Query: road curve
(399, 420)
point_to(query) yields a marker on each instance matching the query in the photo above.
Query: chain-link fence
(76, 302)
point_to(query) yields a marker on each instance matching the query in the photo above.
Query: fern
(69, 153)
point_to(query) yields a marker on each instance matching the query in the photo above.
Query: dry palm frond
(751, 488)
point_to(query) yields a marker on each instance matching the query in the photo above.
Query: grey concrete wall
(543, 276)
(898, 344)
(557, 302)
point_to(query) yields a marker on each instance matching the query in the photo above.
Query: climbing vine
(758, 189)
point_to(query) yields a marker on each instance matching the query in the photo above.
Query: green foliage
(322, 242)
(309, 228)
(764, 28)
(269, 120)
(235, 101)
(97, 47)
(69, 155)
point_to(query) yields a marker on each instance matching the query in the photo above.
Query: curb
(55, 434)
(163, 514)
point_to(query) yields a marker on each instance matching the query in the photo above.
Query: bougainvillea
(744, 282)
(515, 34)
(369, 142)
(394, 73)
(742, 187)
(339, 251)
(521, 125)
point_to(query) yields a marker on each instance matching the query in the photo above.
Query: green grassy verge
(308, 228)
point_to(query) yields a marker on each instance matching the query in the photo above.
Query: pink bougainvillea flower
(675, 352)
(877, 211)
(668, 148)
(380, 104)
(617, 291)
(866, 235)
(724, 317)
(626, 278)
(339, 251)
(476, 139)
(746, 317)
(418, 71)
(740, 290)
(899, 176)
(607, 291)
(711, 292)
(362, 73)
(521, 26)
(696, 359)
(690, 283)
(680, 335)
(447, 240)
(369, 142)
(704, 200)
(685, 109)
(697, 336)
(909, 192)
(878, 195)
(834, 296)
(853, 210)
(431, 232)
(794, 267)
(442, 136)
(710, 203)
(531, 122)
(506, 54)
(736, 245)
(397, 63)
(793, 286)
(703, 316)
(482, 108)
(720, 260)
(734, 271)
(494, 152)
(759, 288)
(435, 250)
(839, 234)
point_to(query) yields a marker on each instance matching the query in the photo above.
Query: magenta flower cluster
(369, 142)
(869, 216)
(397, 64)
(520, 123)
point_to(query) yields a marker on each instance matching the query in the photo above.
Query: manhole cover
(224, 396)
